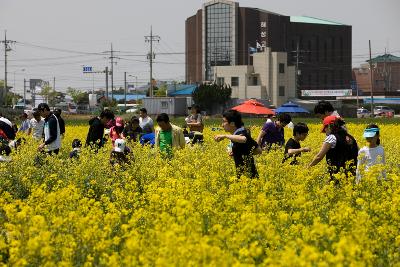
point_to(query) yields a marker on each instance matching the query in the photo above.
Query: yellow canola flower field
(192, 210)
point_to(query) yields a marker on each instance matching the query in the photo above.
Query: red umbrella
(253, 107)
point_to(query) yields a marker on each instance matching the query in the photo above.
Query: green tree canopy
(210, 95)
(78, 96)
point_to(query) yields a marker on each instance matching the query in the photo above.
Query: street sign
(87, 69)
(326, 92)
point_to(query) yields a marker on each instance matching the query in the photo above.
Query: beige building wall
(272, 85)
(242, 72)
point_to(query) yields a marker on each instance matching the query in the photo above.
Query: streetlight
(125, 85)
(21, 70)
(136, 78)
(14, 89)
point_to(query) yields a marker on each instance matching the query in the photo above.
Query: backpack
(345, 152)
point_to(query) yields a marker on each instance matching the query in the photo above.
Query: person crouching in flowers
(120, 153)
(76, 149)
(370, 155)
(293, 149)
(117, 129)
(243, 146)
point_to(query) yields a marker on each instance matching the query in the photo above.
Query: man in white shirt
(36, 126)
(145, 122)
(52, 137)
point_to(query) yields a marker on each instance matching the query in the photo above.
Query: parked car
(132, 110)
(383, 111)
(363, 113)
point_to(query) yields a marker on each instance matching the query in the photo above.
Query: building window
(164, 104)
(281, 90)
(234, 81)
(341, 49)
(333, 49)
(255, 80)
(341, 78)
(219, 25)
(220, 80)
(309, 51)
(317, 49)
(281, 67)
(325, 51)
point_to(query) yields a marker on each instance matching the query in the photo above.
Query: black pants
(55, 151)
(195, 138)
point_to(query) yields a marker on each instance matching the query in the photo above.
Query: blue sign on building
(87, 69)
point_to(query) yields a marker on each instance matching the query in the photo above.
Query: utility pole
(298, 53)
(54, 84)
(372, 80)
(112, 57)
(385, 80)
(25, 93)
(150, 39)
(125, 88)
(297, 68)
(112, 72)
(3, 94)
(298, 72)
(107, 83)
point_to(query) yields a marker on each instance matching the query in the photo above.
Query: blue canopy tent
(291, 107)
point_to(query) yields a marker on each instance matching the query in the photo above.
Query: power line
(59, 49)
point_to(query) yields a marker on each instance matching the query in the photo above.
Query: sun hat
(370, 132)
(119, 122)
(119, 145)
(327, 121)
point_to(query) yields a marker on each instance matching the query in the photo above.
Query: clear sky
(90, 26)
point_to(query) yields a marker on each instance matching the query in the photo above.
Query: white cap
(6, 121)
(119, 145)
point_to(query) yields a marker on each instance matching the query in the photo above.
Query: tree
(52, 97)
(5, 98)
(78, 96)
(209, 95)
(109, 104)
(161, 91)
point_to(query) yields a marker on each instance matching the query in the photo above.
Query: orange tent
(253, 107)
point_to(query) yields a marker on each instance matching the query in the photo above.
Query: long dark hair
(371, 126)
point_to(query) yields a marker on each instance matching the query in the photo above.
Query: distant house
(169, 105)
(386, 75)
(183, 90)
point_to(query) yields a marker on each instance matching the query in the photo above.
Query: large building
(222, 33)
